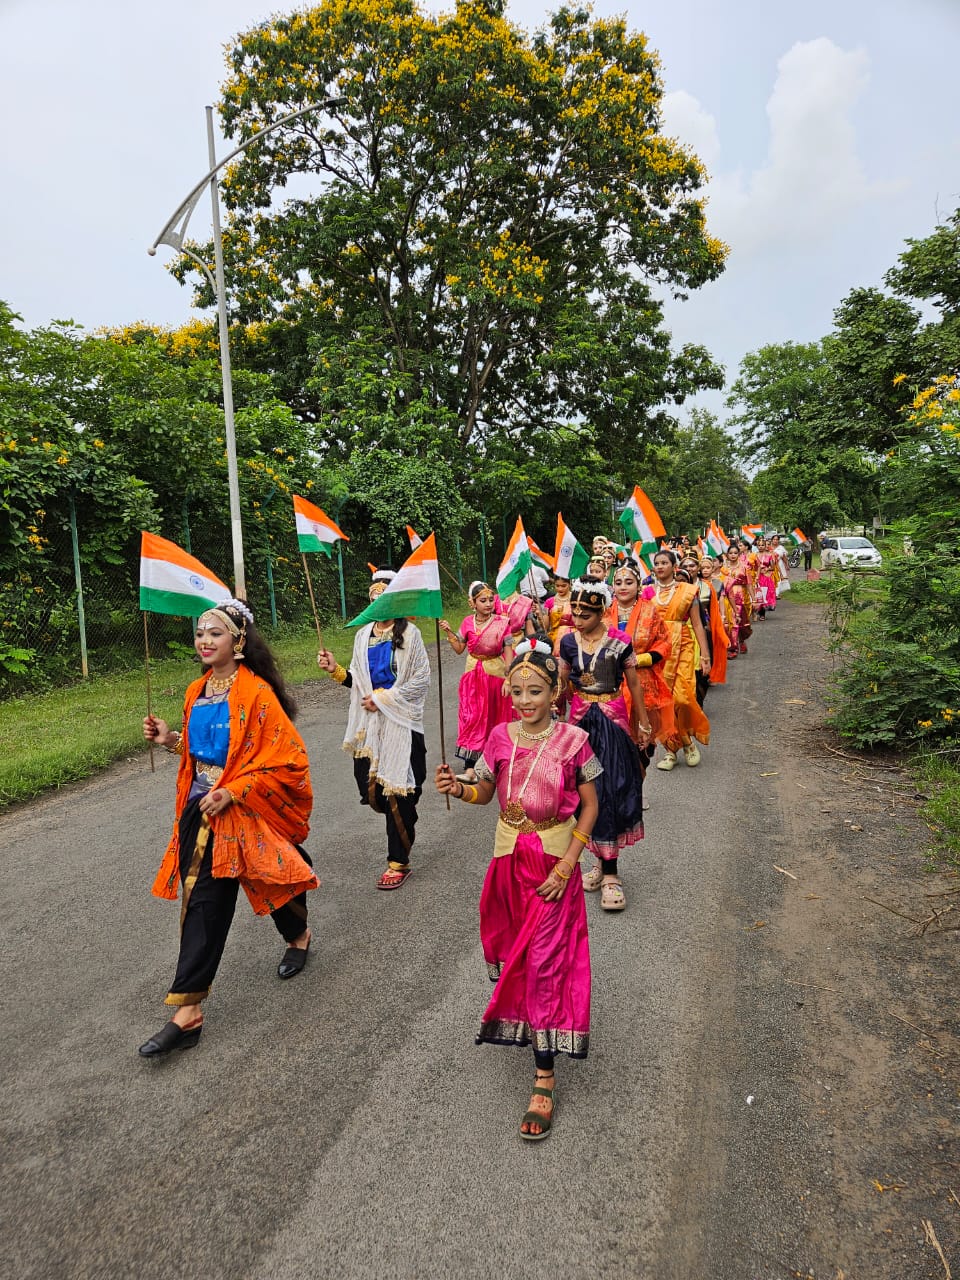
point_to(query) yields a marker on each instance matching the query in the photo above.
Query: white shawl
(383, 736)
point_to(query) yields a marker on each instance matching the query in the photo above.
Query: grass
(53, 738)
(941, 776)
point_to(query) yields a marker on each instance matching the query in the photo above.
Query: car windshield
(855, 544)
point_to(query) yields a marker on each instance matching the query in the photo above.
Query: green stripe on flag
(310, 542)
(400, 604)
(180, 604)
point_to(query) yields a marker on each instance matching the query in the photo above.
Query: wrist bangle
(459, 794)
(557, 872)
(177, 748)
(578, 835)
(338, 673)
(472, 797)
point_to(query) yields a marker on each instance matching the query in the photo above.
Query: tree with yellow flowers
(483, 232)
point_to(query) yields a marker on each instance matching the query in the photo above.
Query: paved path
(344, 1123)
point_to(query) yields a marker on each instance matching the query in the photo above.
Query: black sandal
(537, 1117)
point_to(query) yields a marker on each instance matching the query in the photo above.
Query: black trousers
(209, 914)
(400, 812)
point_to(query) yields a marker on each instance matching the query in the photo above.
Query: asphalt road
(344, 1123)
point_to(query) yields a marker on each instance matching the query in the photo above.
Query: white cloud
(812, 181)
(684, 118)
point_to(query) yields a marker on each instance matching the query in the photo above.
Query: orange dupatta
(649, 634)
(268, 775)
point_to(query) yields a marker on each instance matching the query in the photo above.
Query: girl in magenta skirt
(533, 924)
(483, 698)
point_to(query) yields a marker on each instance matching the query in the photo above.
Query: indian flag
(413, 593)
(415, 539)
(173, 582)
(643, 558)
(641, 522)
(750, 532)
(542, 558)
(315, 530)
(717, 540)
(516, 563)
(570, 559)
(797, 536)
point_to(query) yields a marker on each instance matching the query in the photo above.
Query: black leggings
(400, 812)
(209, 914)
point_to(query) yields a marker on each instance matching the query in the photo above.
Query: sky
(829, 128)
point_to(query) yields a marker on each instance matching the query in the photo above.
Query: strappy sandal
(537, 1117)
(593, 879)
(612, 897)
(394, 877)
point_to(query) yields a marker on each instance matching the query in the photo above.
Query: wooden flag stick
(443, 744)
(146, 659)
(313, 603)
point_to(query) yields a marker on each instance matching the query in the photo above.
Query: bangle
(177, 748)
(579, 835)
(474, 793)
(557, 872)
(338, 673)
(459, 794)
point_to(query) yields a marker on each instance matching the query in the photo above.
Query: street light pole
(233, 473)
(174, 234)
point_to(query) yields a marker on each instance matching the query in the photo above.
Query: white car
(849, 553)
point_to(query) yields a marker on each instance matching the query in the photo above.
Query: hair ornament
(383, 575)
(532, 644)
(595, 595)
(241, 607)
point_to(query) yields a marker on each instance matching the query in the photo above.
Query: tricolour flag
(570, 559)
(173, 582)
(750, 532)
(643, 558)
(797, 536)
(413, 593)
(415, 539)
(315, 530)
(717, 540)
(542, 558)
(516, 563)
(641, 522)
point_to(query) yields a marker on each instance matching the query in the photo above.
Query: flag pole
(313, 603)
(146, 660)
(443, 744)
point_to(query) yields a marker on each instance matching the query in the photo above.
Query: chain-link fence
(74, 612)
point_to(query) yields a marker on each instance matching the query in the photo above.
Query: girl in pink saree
(483, 699)
(533, 923)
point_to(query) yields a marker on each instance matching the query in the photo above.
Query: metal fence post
(79, 580)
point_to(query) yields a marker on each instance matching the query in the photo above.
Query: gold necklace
(217, 685)
(665, 599)
(587, 678)
(513, 810)
(535, 737)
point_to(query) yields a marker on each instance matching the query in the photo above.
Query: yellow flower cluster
(937, 405)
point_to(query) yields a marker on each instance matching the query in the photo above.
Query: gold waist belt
(513, 816)
(598, 697)
(493, 666)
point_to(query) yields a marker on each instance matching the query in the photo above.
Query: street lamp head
(152, 251)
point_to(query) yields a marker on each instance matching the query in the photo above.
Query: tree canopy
(488, 219)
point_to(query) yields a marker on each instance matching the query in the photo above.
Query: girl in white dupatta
(388, 680)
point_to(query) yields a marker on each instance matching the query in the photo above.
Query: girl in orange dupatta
(679, 608)
(242, 810)
(648, 633)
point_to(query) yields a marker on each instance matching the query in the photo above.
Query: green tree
(493, 214)
(697, 475)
